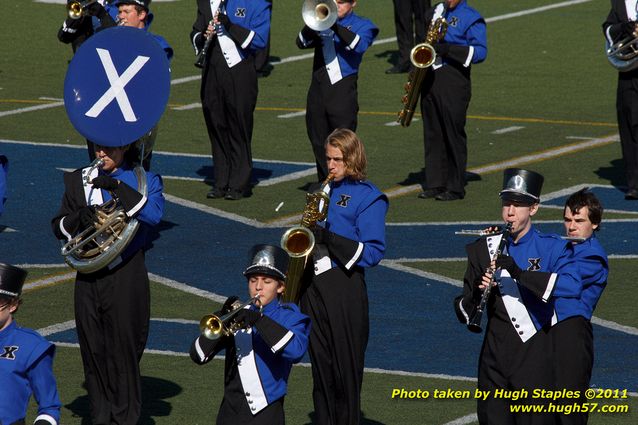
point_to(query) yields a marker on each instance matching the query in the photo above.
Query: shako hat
(268, 260)
(11, 280)
(521, 186)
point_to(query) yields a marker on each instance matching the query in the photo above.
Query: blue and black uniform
(26, 368)
(258, 363)
(332, 100)
(112, 305)
(446, 93)
(337, 299)
(572, 336)
(619, 25)
(229, 86)
(517, 349)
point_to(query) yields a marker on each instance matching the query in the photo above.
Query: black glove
(442, 49)
(247, 318)
(225, 21)
(86, 216)
(105, 182)
(228, 304)
(95, 9)
(322, 235)
(308, 33)
(506, 262)
(628, 28)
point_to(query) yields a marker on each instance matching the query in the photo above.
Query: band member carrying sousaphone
(108, 210)
(262, 339)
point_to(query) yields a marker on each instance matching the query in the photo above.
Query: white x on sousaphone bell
(115, 91)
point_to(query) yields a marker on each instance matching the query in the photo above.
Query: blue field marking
(412, 324)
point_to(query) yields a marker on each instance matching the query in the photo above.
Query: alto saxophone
(298, 241)
(422, 57)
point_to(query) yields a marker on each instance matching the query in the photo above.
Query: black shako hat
(11, 280)
(521, 186)
(268, 260)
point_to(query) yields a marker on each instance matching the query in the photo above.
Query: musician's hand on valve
(247, 318)
(86, 216)
(322, 235)
(442, 49)
(228, 304)
(629, 28)
(105, 182)
(506, 262)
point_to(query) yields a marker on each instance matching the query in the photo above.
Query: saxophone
(298, 241)
(422, 57)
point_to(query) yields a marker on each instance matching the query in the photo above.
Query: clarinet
(474, 324)
(201, 56)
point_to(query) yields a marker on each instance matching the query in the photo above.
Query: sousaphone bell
(319, 15)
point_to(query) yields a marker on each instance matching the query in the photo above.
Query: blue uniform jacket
(147, 210)
(593, 268)
(343, 59)
(26, 368)
(357, 212)
(467, 31)
(263, 355)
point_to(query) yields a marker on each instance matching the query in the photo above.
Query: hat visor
(523, 198)
(267, 271)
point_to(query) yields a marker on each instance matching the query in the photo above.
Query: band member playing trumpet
(535, 271)
(229, 86)
(445, 97)
(332, 100)
(112, 304)
(100, 15)
(259, 355)
(621, 25)
(351, 239)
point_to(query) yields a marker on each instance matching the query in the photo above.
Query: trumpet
(77, 9)
(214, 327)
(474, 324)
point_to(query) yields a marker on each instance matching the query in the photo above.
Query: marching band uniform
(332, 100)
(572, 336)
(259, 357)
(446, 93)
(229, 86)
(112, 305)
(620, 23)
(409, 22)
(26, 362)
(517, 349)
(337, 301)
(4, 171)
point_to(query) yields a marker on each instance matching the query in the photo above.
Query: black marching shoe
(233, 195)
(631, 195)
(430, 193)
(448, 196)
(216, 193)
(400, 68)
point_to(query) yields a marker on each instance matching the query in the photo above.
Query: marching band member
(572, 336)
(538, 268)
(446, 93)
(235, 30)
(332, 100)
(350, 240)
(622, 23)
(112, 305)
(259, 356)
(26, 363)
(409, 23)
(4, 172)
(106, 14)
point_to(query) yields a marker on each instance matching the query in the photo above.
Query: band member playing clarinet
(112, 304)
(269, 337)
(235, 30)
(533, 271)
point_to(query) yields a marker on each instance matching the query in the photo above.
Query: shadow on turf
(154, 393)
(419, 178)
(614, 173)
(391, 55)
(364, 420)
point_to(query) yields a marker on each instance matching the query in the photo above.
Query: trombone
(214, 327)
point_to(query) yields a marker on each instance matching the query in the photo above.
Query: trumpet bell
(77, 9)
(211, 326)
(319, 15)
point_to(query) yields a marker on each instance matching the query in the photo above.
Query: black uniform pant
(273, 414)
(573, 342)
(409, 23)
(229, 97)
(627, 110)
(112, 312)
(337, 304)
(508, 364)
(328, 107)
(446, 97)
